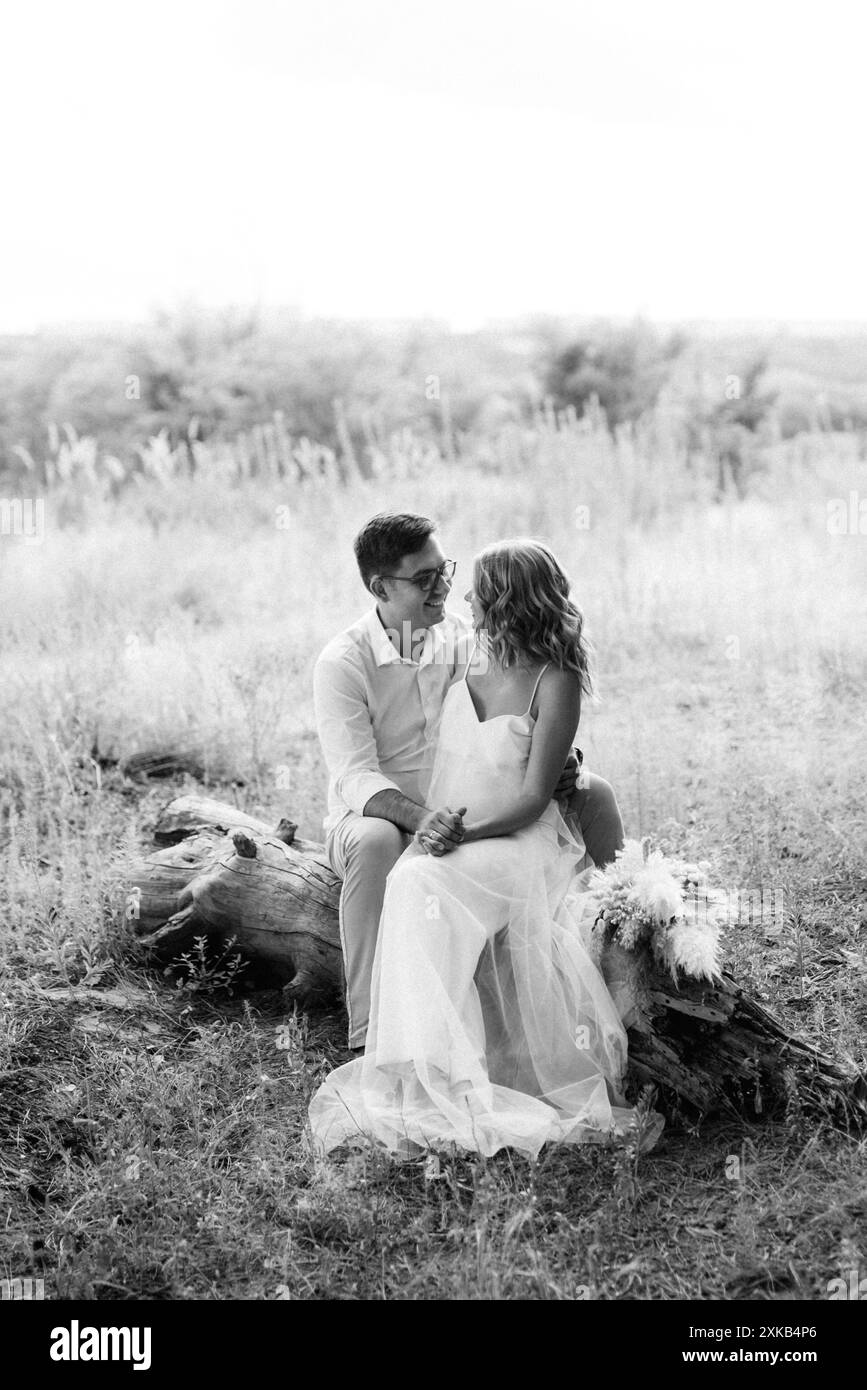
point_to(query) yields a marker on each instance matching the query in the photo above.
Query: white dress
(490, 1025)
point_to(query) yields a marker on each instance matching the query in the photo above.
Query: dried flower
(644, 900)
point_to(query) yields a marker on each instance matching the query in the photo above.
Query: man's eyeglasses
(428, 578)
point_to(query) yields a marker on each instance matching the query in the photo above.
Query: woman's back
(479, 762)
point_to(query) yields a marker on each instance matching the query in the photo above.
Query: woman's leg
(595, 809)
(436, 920)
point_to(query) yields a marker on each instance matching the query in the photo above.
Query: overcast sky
(463, 158)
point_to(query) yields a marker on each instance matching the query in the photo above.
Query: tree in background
(730, 424)
(625, 368)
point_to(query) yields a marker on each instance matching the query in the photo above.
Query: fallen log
(227, 875)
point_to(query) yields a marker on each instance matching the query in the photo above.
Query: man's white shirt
(377, 713)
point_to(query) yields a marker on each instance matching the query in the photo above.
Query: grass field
(156, 1152)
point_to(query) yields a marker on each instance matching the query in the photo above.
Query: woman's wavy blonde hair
(528, 613)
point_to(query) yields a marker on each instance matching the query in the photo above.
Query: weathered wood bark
(224, 873)
(713, 1046)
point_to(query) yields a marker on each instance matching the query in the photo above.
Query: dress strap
(536, 686)
(470, 662)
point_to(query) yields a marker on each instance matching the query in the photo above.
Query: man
(378, 691)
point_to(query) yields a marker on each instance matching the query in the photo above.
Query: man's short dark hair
(386, 538)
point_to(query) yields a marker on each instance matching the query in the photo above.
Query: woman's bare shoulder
(558, 690)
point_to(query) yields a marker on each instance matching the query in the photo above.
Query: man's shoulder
(348, 644)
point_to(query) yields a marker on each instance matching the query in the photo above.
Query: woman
(490, 1025)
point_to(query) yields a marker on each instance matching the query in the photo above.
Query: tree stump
(224, 874)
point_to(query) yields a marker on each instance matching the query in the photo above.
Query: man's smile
(437, 602)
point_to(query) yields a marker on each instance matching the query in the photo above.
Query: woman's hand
(441, 831)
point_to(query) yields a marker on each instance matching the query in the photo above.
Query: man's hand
(569, 776)
(441, 831)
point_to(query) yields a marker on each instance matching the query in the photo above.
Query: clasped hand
(441, 831)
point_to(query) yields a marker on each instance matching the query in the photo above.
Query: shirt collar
(385, 652)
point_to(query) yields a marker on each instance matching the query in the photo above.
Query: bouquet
(646, 901)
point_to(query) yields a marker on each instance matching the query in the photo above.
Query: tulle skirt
(491, 1027)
